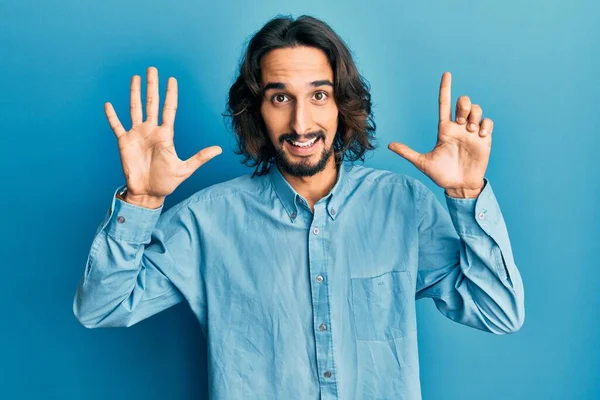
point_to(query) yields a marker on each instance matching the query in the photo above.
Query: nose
(301, 118)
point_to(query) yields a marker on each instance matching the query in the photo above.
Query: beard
(303, 168)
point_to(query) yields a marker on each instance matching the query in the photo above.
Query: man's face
(299, 108)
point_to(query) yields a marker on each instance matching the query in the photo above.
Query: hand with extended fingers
(151, 166)
(459, 159)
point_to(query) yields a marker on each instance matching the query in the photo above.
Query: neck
(314, 188)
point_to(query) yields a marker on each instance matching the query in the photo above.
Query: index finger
(170, 106)
(135, 101)
(445, 97)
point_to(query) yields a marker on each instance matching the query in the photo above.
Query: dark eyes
(320, 96)
(279, 98)
(283, 98)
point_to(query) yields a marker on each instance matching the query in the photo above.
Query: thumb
(201, 158)
(406, 152)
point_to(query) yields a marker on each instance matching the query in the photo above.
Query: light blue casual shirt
(298, 304)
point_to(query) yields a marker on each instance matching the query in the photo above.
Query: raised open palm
(150, 163)
(460, 157)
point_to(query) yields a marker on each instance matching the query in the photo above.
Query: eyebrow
(280, 85)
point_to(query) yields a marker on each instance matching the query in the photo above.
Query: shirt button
(481, 215)
(319, 279)
(121, 219)
(327, 374)
(294, 215)
(316, 231)
(322, 327)
(333, 211)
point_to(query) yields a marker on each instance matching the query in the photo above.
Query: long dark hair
(356, 125)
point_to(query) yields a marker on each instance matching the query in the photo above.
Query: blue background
(533, 67)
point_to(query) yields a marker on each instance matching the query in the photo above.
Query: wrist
(145, 201)
(464, 193)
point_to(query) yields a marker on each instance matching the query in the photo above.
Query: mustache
(294, 136)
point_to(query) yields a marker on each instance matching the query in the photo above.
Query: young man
(304, 275)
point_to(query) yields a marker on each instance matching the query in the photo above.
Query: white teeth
(305, 144)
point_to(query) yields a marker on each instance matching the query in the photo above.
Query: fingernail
(461, 120)
(472, 127)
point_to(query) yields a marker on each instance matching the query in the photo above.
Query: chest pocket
(383, 306)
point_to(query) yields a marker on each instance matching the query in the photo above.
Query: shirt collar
(289, 196)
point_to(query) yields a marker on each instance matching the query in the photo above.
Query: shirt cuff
(130, 222)
(470, 216)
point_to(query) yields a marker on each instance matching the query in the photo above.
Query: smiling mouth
(304, 145)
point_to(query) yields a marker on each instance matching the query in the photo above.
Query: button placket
(319, 240)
